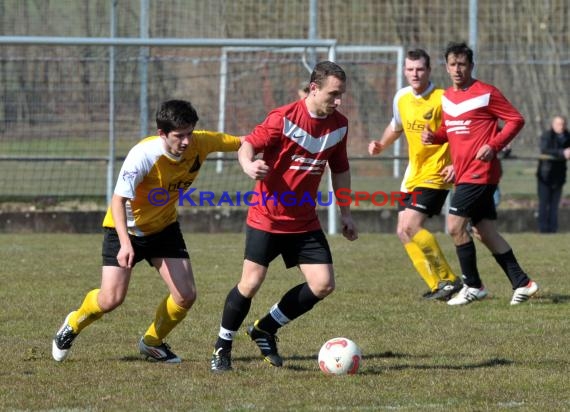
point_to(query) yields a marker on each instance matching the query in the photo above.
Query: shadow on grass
(367, 370)
(491, 363)
(552, 298)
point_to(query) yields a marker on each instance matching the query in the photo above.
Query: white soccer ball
(340, 356)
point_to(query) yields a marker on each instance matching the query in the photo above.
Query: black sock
(294, 303)
(508, 262)
(236, 309)
(468, 262)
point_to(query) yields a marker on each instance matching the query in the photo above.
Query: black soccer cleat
(221, 360)
(267, 344)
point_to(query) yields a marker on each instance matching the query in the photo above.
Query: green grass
(417, 355)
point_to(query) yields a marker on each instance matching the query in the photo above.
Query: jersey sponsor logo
(428, 115)
(457, 109)
(458, 126)
(181, 184)
(415, 126)
(311, 143)
(313, 166)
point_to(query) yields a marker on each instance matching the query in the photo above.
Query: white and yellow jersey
(150, 176)
(411, 113)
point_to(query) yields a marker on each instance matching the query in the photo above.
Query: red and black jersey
(297, 147)
(470, 120)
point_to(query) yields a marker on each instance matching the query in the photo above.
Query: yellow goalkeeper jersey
(153, 179)
(411, 113)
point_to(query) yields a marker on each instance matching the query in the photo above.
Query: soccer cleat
(62, 340)
(267, 343)
(429, 294)
(160, 353)
(445, 289)
(467, 295)
(221, 360)
(522, 294)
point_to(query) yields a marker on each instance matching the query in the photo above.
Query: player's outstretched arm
(254, 168)
(388, 137)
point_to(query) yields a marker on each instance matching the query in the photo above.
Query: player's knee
(400, 231)
(406, 233)
(323, 290)
(249, 288)
(458, 234)
(109, 302)
(187, 299)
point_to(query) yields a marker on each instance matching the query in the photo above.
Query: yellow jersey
(411, 113)
(152, 179)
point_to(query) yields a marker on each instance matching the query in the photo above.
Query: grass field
(418, 355)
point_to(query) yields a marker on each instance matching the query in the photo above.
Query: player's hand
(448, 174)
(126, 257)
(485, 153)
(427, 135)
(375, 147)
(349, 230)
(257, 169)
(567, 153)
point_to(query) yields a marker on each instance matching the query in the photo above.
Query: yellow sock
(422, 265)
(88, 312)
(428, 243)
(168, 315)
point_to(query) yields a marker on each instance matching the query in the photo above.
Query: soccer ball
(340, 356)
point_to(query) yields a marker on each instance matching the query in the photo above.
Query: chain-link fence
(54, 109)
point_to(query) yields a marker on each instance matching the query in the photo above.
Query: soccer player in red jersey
(297, 140)
(471, 114)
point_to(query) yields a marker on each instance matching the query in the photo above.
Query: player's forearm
(509, 131)
(119, 213)
(389, 136)
(246, 154)
(440, 136)
(342, 181)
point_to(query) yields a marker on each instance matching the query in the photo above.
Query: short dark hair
(175, 114)
(325, 69)
(459, 49)
(418, 54)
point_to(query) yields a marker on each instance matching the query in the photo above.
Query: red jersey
(470, 120)
(296, 146)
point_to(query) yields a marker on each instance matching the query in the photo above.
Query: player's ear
(313, 87)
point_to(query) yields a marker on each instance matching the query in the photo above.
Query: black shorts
(425, 200)
(474, 201)
(168, 243)
(295, 248)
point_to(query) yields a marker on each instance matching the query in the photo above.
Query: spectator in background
(551, 173)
